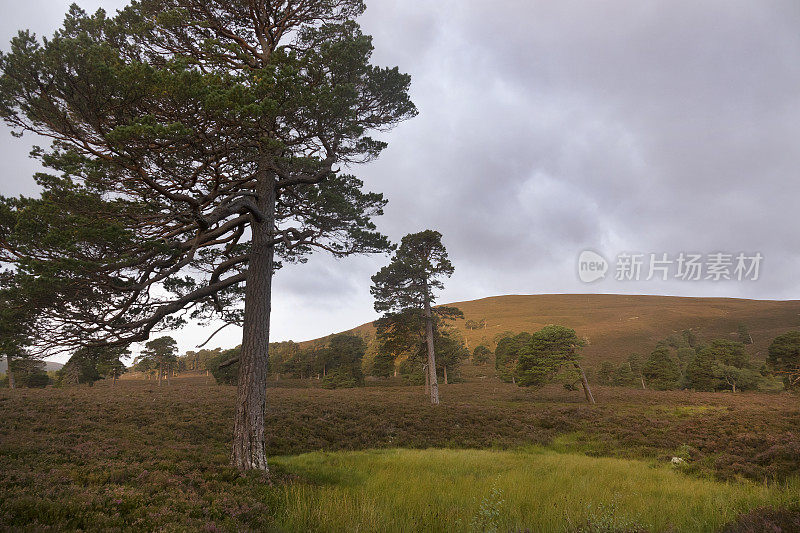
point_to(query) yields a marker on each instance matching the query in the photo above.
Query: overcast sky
(548, 128)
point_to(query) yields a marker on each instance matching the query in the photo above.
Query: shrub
(228, 374)
(340, 378)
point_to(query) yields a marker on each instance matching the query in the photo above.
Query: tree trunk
(586, 390)
(11, 383)
(431, 355)
(445, 374)
(160, 374)
(248, 430)
(113, 380)
(169, 375)
(644, 387)
(427, 379)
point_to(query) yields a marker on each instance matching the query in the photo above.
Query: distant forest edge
(49, 366)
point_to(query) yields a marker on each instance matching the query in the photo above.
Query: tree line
(685, 362)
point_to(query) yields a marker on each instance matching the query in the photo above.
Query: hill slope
(50, 366)
(617, 325)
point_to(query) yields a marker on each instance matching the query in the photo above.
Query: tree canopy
(507, 354)
(481, 354)
(159, 355)
(343, 356)
(784, 358)
(162, 120)
(661, 370)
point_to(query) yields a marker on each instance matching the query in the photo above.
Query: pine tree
(605, 375)
(548, 351)
(404, 290)
(701, 371)
(744, 334)
(481, 354)
(383, 365)
(197, 144)
(660, 370)
(783, 358)
(636, 367)
(343, 356)
(160, 354)
(507, 353)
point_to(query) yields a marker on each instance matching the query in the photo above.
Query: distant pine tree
(383, 365)
(784, 358)
(744, 334)
(661, 371)
(701, 371)
(550, 349)
(481, 354)
(405, 289)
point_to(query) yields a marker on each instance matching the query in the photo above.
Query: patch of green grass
(489, 490)
(581, 442)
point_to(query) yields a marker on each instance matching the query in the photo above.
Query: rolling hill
(50, 366)
(616, 325)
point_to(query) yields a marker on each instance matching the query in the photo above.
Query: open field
(617, 325)
(139, 457)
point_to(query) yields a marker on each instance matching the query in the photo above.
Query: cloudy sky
(548, 128)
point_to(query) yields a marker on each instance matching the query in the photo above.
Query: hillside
(50, 366)
(617, 325)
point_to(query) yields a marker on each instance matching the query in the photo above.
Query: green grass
(486, 490)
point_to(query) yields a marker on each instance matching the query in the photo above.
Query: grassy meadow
(537, 489)
(492, 457)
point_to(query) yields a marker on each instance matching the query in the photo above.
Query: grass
(137, 457)
(536, 490)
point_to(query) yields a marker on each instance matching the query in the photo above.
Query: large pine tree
(195, 145)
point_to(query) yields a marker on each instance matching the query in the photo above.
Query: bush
(764, 519)
(340, 378)
(226, 375)
(36, 380)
